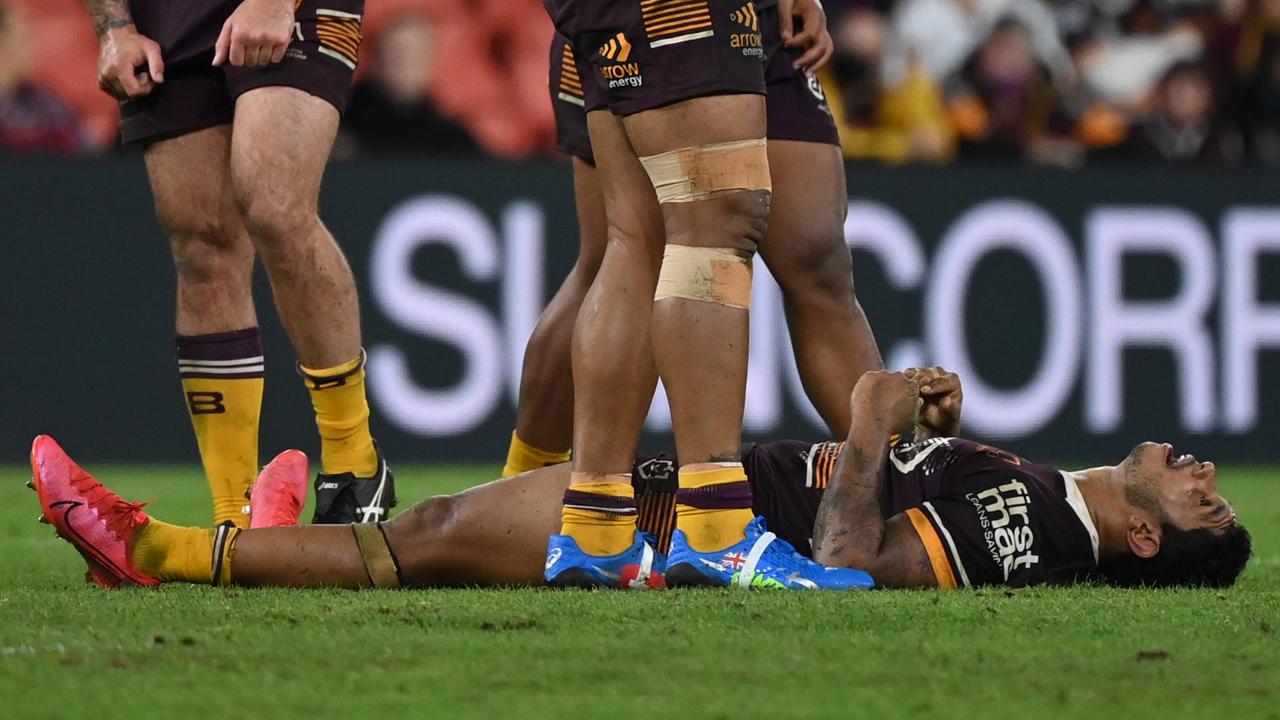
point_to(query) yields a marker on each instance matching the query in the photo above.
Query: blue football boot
(761, 560)
(638, 567)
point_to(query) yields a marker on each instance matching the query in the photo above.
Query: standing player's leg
(805, 251)
(613, 369)
(716, 204)
(805, 248)
(693, 114)
(285, 120)
(707, 159)
(280, 146)
(219, 352)
(544, 414)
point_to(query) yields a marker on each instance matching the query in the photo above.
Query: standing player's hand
(256, 34)
(129, 63)
(942, 398)
(811, 35)
(885, 401)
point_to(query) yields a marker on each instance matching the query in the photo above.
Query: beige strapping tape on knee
(376, 555)
(697, 173)
(715, 275)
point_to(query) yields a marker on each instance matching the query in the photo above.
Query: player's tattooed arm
(108, 15)
(849, 530)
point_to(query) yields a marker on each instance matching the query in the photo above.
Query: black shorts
(644, 54)
(195, 95)
(788, 479)
(796, 107)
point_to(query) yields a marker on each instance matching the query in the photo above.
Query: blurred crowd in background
(1051, 82)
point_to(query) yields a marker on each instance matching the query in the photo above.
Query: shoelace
(120, 515)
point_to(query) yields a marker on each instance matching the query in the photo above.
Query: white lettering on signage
(1089, 322)
(430, 312)
(1177, 323)
(1247, 325)
(1026, 229)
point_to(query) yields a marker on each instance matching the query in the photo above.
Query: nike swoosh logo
(83, 544)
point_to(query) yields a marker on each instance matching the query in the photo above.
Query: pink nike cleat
(281, 491)
(99, 523)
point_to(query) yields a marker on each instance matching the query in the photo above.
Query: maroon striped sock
(221, 356)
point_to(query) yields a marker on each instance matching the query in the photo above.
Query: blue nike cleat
(638, 567)
(761, 560)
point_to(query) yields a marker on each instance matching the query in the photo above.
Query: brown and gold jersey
(985, 516)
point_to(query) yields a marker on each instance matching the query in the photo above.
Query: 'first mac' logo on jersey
(615, 68)
(1006, 525)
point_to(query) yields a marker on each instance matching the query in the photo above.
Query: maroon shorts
(644, 54)
(797, 108)
(195, 95)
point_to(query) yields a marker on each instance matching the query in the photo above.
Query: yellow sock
(706, 529)
(600, 513)
(172, 553)
(523, 457)
(342, 417)
(222, 383)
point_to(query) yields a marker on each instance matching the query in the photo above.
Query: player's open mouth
(1171, 460)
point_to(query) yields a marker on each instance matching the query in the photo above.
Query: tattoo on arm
(849, 529)
(108, 14)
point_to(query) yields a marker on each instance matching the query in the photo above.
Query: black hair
(1187, 558)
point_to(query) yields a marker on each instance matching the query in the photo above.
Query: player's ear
(1143, 536)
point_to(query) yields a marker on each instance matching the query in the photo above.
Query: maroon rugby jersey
(985, 516)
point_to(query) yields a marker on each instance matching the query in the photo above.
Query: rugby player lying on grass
(938, 511)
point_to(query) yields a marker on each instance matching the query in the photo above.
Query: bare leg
(215, 321)
(613, 368)
(804, 248)
(701, 347)
(544, 416)
(279, 150)
(494, 534)
(212, 253)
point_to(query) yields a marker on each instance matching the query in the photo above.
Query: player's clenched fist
(129, 63)
(256, 34)
(942, 398)
(886, 401)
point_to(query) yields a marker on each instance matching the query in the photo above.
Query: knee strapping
(715, 275)
(375, 552)
(697, 173)
(710, 274)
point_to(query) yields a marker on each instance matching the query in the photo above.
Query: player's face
(1185, 488)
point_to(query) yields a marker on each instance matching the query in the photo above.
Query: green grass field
(68, 650)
